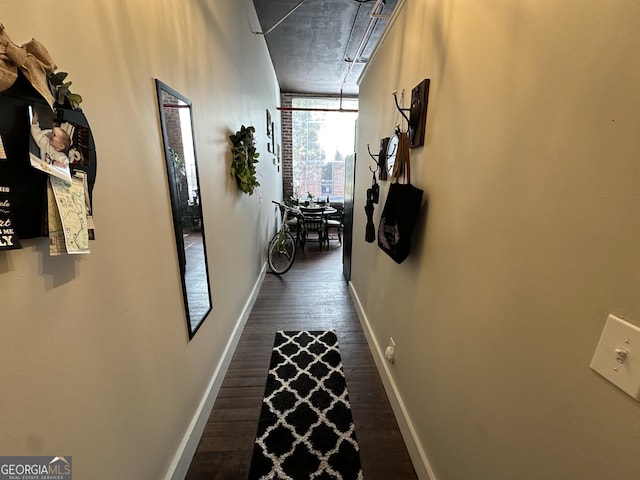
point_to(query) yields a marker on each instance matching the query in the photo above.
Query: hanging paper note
(3, 154)
(82, 176)
(70, 200)
(57, 244)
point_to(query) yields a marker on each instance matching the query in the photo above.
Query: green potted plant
(245, 157)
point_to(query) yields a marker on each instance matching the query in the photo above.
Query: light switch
(617, 356)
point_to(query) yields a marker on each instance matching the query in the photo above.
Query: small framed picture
(269, 124)
(273, 138)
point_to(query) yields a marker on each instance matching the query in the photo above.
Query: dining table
(318, 210)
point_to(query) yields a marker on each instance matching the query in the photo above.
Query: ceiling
(322, 46)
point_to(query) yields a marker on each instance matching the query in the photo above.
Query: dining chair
(335, 222)
(314, 226)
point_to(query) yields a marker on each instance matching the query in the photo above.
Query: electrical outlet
(390, 351)
(617, 356)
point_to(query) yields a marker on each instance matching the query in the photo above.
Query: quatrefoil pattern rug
(306, 430)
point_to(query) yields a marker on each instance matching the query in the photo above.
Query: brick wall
(287, 155)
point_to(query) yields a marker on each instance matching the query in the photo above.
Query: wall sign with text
(8, 237)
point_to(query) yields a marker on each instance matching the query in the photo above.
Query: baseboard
(182, 460)
(416, 452)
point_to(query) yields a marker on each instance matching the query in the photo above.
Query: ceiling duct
(295, 7)
(375, 14)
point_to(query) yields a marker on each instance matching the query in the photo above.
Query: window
(321, 140)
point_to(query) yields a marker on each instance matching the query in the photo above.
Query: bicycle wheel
(282, 253)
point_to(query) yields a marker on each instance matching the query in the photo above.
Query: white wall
(95, 358)
(532, 175)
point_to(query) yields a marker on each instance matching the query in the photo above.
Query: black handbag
(401, 207)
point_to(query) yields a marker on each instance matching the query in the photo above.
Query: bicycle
(282, 248)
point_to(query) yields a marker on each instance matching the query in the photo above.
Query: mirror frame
(193, 324)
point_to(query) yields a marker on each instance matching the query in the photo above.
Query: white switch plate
(618, 336)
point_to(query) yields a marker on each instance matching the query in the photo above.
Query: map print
(72, 213)
(54, 225)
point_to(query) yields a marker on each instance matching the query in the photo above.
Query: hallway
(313, 295)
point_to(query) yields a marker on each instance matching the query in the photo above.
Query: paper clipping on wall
(3, 154)
(68, 226)
(54, 225)
(87, 202)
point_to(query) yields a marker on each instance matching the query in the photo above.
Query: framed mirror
(184, 188)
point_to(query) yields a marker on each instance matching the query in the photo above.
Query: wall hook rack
(400, 109)
(375, 157)
(417, 118)
(380, 158)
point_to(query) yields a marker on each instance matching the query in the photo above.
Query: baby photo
(50, 143)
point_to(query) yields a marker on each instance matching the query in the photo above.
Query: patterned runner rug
(306, 429)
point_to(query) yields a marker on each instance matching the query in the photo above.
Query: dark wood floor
(313, 295)
(195, 277)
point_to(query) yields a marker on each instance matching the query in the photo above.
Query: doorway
(323, 155)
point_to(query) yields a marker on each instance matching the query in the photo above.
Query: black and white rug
(306, 429)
